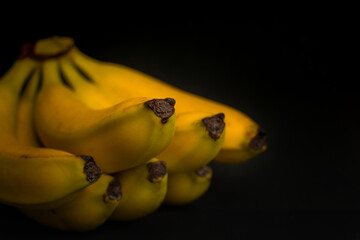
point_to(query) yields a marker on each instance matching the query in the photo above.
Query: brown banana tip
(91, 170)
(215, 125)
(203, 171)
(157, 170)
(163, 108)
(260, 139)
(25, 50)
(114, 190)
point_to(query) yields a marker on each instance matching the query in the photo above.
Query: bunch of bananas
(84, 141)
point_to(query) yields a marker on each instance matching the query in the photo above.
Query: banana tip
(26, 50)
(163, 108)
(203, 171)
(215, 125)
(91, 170)
(260, 139)
(114, 190)
(157, 171)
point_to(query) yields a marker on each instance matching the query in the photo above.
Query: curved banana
(143, 188)
(90, 209)
(244, 139)
(31, 175)
(120, 137)
(186, 187)
(198, 139)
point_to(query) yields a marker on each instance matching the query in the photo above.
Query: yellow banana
(244, 139)
(31, 175)
(90, 209)
(197, 140)
(143, 188)
(186, 187)
(121, 136)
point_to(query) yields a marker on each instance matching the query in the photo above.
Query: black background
(291, 75)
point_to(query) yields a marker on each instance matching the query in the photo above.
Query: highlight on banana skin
(86, 141)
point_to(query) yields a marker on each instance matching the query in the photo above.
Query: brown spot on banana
(157, 170)
(163, 108)
(91, 170)
(259, 140)
(215, 125)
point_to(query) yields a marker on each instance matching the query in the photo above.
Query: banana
(143, 188)
(120, 137)
(244, 139)
(198, 139)
(90, 209)
(31, 175)
(186, 187)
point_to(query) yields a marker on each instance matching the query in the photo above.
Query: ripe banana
(90, 209)
(186, 187)
(120, 137)
(198, 139)
(144, 189)
(244, 139)
(31, 175)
